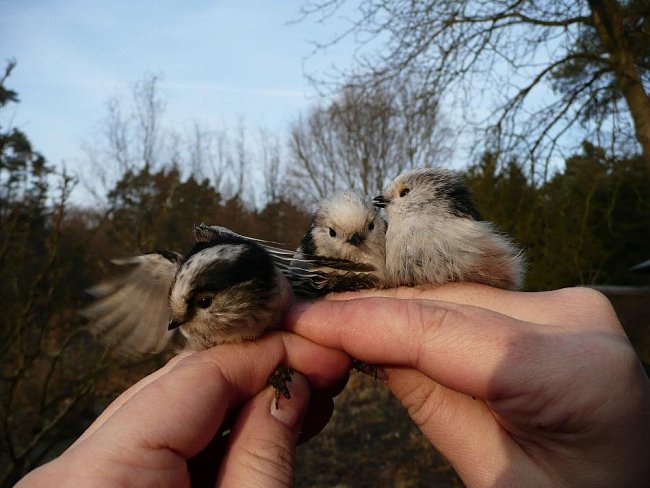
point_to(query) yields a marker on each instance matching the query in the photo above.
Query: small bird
(343, 249)
(435, 235)
(225, 289)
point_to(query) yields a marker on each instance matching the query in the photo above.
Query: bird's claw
(365, 368)
(278, 380)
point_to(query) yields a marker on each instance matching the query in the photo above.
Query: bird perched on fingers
(225, 289)
(343, 249)
(435, 235)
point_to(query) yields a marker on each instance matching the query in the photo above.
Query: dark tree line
(589, 224)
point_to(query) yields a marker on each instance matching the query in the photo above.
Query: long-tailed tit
(435, 234)
(347, 231)
(225, 289)
(343, 249)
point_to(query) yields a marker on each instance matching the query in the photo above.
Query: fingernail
(290, 411)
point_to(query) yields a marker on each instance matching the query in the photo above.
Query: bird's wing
(131, 312)
(314, 283)
(207, 233)
(310, 276)
(314, 276)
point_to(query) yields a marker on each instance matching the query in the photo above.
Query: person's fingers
(460, 427)
(466, 348)
(572, 307)
(204, 467)
(262, 442)
(448, 342)
(182, 409)
(517, 368)
(130, 392)
(320, 409)
(319, 413)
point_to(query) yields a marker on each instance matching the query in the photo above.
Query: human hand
(515, 389)
(165, 430)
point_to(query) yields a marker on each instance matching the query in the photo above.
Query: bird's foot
(278, 380)
(365, 368)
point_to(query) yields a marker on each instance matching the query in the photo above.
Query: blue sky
(220, 61)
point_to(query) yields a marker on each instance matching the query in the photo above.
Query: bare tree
(133, 139)
(364, 138)
(130, 137)
(200, 153)
(149, 108)
(550, 67)
(241, 160)
(117, 135)
(221, 160)
(273, 171)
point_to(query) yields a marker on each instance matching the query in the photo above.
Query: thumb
(263, 440)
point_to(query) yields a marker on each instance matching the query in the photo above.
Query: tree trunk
(608, 21)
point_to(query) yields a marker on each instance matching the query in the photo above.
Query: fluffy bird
(225, 289)
(343, 249)
(435, 235)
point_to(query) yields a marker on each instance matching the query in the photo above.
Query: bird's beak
(356, 239)
(174, 324)
(380, 201)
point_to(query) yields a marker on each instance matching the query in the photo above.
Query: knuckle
(430, 405)
(586, 296)
(425, 322)
(591, 304)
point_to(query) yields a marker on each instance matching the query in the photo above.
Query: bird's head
(224, 291)
(427, 191)
(346, 226)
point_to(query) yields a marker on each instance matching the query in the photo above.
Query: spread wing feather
(131, 311)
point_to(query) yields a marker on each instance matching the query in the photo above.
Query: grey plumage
(131, 310)
(310, 275)
(435, 235)
(343, 249)
(226, 289)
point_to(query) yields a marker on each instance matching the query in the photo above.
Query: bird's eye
(332, 232)
(404, 192)
(204, 302)
(371, 225)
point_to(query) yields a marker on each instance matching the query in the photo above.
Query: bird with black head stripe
(225, 289)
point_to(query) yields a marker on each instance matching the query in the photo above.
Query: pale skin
(148, 434)
(515, 389)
